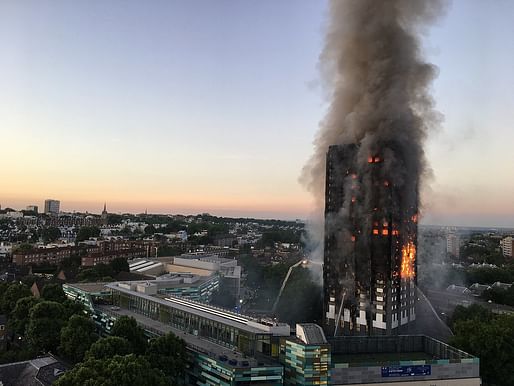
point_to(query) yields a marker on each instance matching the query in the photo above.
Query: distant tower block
(52, 206)
(370, 265)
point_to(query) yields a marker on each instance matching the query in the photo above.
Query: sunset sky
(212, 106)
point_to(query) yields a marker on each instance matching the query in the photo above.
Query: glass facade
(202, 292)
(305, 364)
(221, 333)
(209, 371)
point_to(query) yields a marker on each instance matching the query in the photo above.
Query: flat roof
(171, 268)
(382, 357)
(89, 287)
(197, 343)
(203, 310)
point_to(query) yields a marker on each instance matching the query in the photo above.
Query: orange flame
(408, 259)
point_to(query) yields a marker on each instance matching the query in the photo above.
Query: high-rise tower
(369, 267)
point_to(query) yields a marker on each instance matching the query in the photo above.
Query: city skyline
(175, 108)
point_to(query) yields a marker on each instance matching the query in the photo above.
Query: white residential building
(506, 246)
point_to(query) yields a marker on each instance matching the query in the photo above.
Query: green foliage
(473, 312)
(19, 317)
(119, 264)
(489, 275)
(125, 370)
(72, 308)
(17, 355)
(77, 337)
(23, 247)
(44, 328)
(493, 342)
(174, 226)
(104, 272)
(482, 248)
(127, 328)
(150, 230)
(269, 238)
(169, 250)
(108, 347)
(53, 292)
(50, 234)
(500, 296)
(168, 353)
(12, 293)
(85, 233)
(114, 219)
(96, 273)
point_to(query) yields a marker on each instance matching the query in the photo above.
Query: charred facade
(370, 265)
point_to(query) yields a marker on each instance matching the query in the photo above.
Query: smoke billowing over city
(378, 86)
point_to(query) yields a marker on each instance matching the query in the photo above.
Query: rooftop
(35, 372)
(196, 343)
(394, 350)
(220, 315)
(89, 287)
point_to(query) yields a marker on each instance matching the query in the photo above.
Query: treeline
(126, 357)
(103, 272)
(34, 324)
(54, 324)
(488, 336)
(269, 238)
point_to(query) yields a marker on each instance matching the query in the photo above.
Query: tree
(168, 353)
(11, 295)
(150, 230)
(44, 328)
(125, 370)
(77, 337)
(127, 327)
(108, 347)
(50, 234)
(85, 233)
(119, 264)
(474, 311)
(53, 292)
(114, 219)
(72, 308)
(491, 341)
(19, 317)
(24, 247)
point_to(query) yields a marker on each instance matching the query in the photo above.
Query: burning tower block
(370, 265)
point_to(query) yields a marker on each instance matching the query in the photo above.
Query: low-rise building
(40, 371)
(53, 255)
(227, 348)
(95, 258)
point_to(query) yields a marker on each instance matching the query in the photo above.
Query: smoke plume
(378, 88)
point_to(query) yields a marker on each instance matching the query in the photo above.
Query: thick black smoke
(378, 85)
